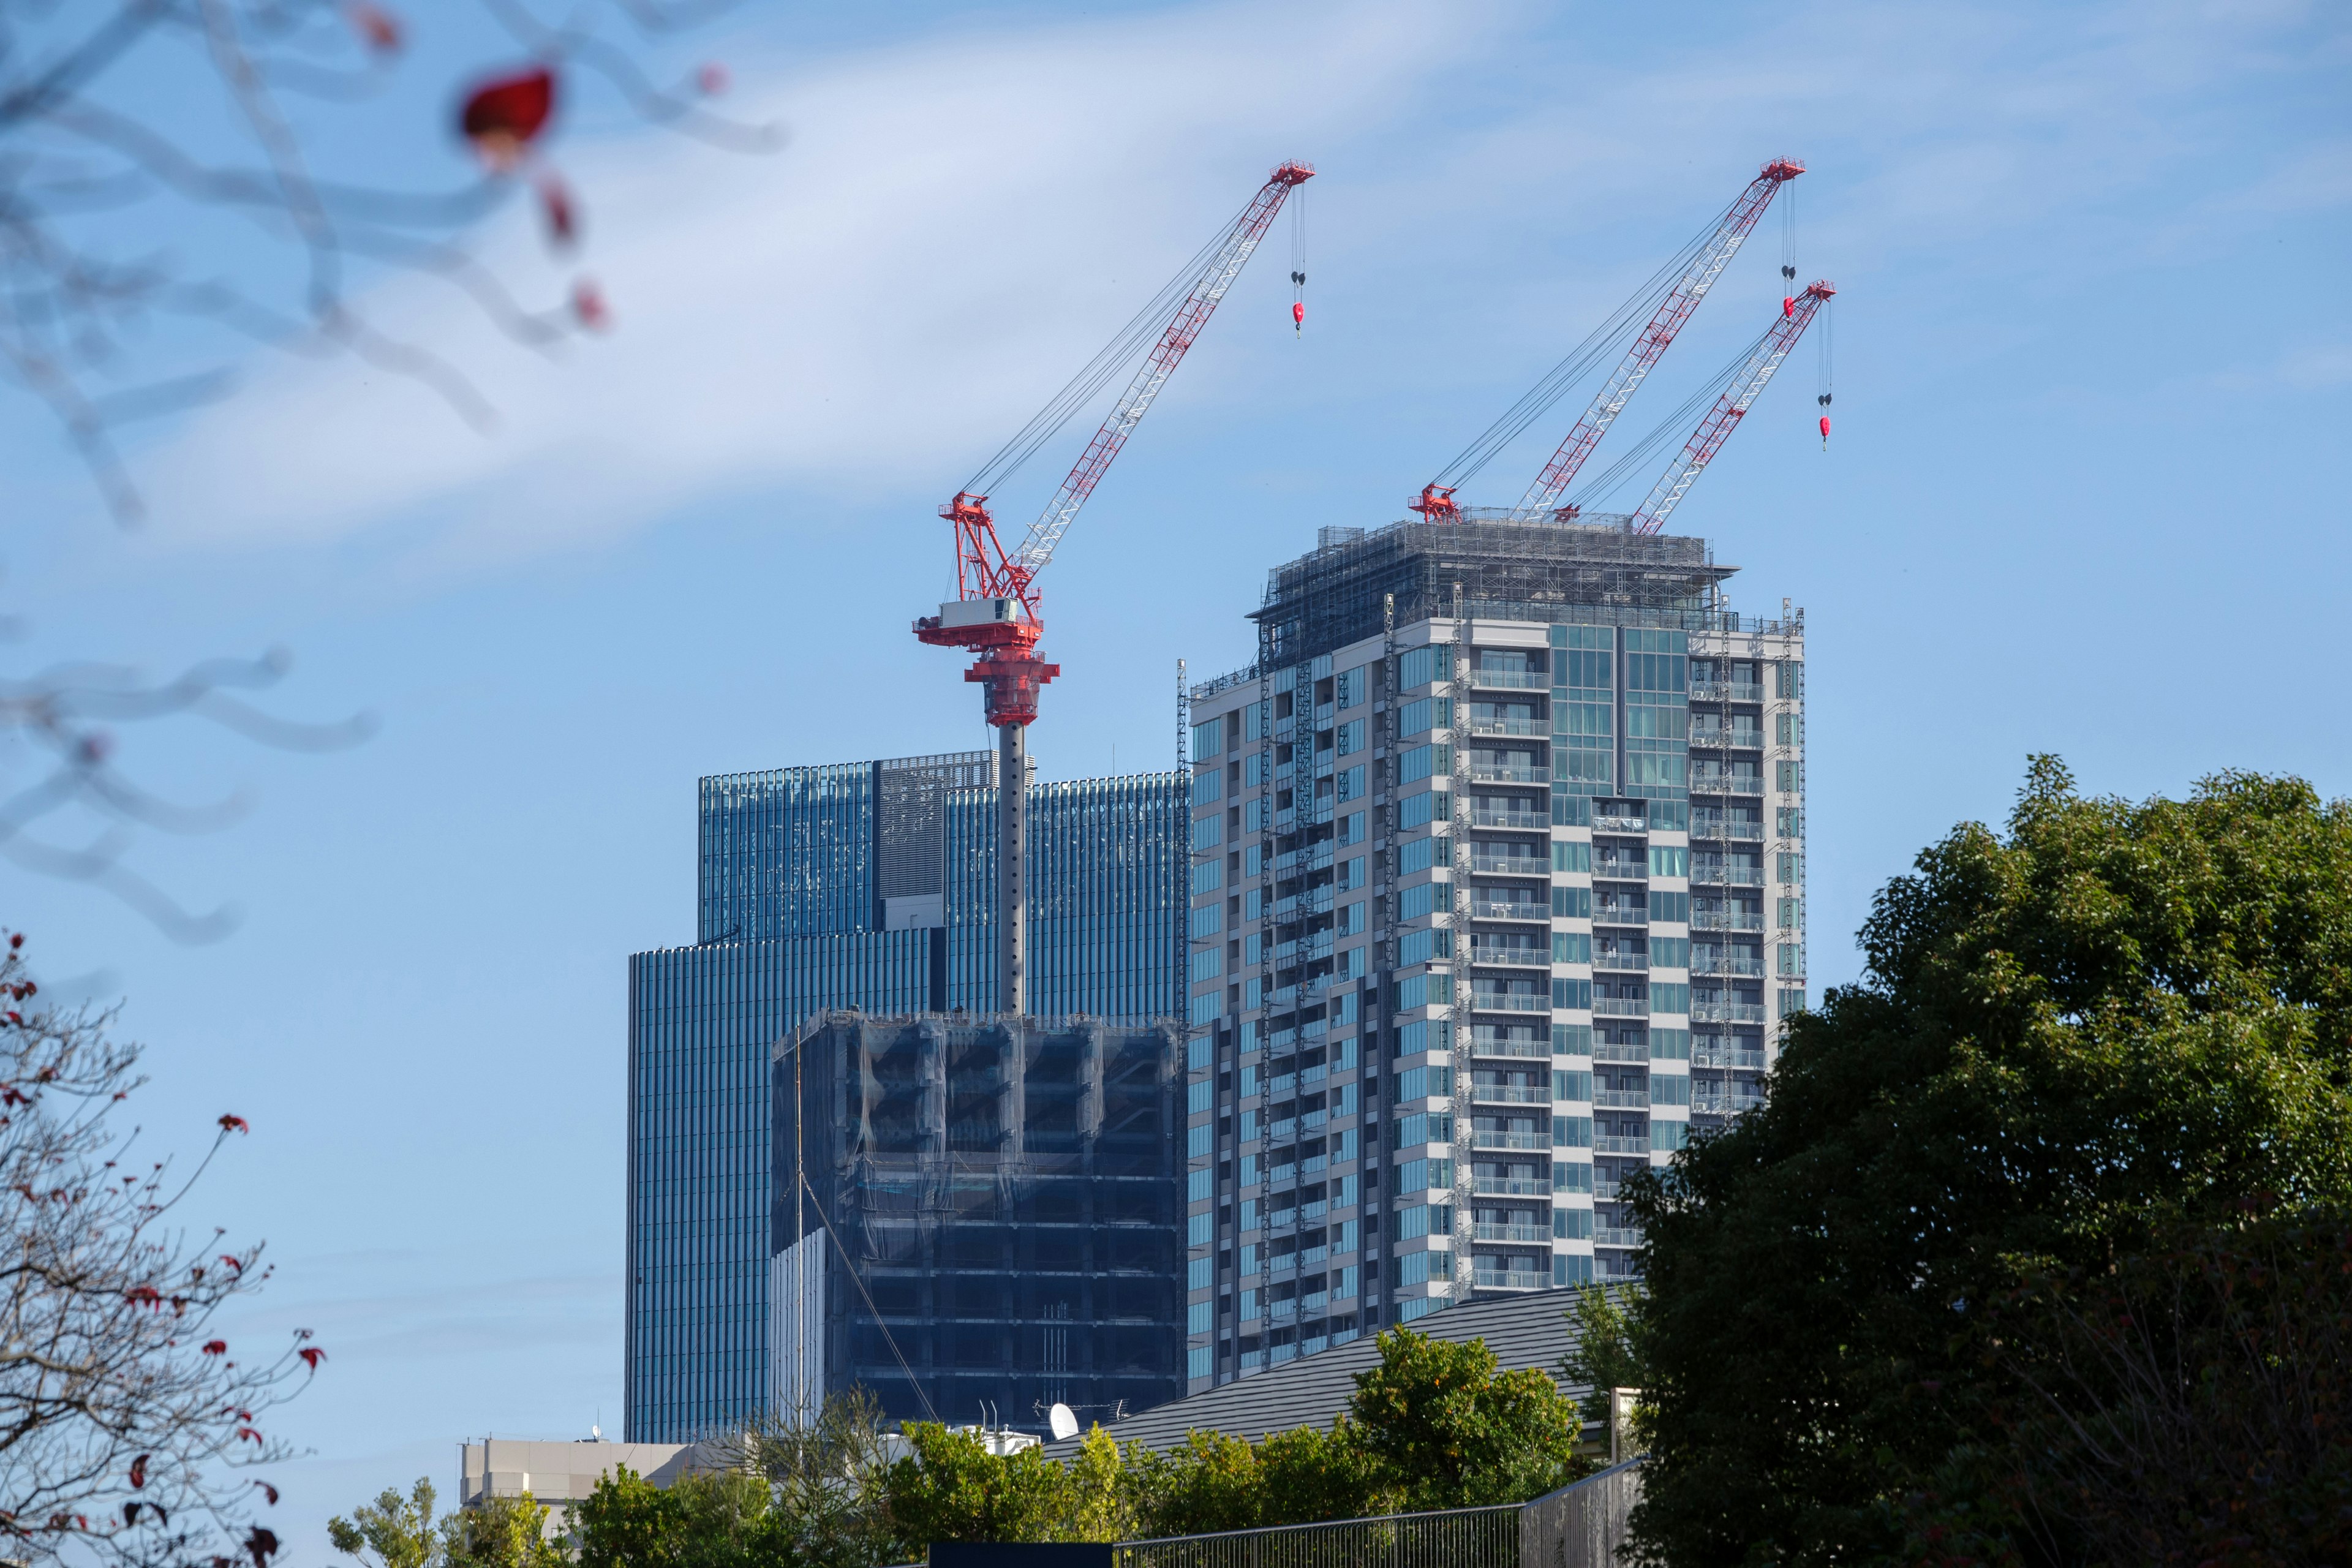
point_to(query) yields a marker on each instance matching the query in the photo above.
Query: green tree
(827, 1507)
(2113, 1020)
(399, 1532)
(951, 1488)
(1603, 1356)
(502, 1532)
(628, 1523)
(1452, 1431)
(1212, 1483)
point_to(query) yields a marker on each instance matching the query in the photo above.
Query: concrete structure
(560, 1475)
(868, 886)
(993, 1218)
(1498, 892)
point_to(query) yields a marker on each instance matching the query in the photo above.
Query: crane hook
(1298, 318)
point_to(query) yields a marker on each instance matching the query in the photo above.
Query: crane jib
(1673, 311)
(1731, 408)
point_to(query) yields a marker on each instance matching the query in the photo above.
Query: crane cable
(1298, 262)
(1825, 363)
(1605, 342)
(1679, 423)
(1125, 348)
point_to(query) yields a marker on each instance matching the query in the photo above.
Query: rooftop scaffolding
(1594, 565)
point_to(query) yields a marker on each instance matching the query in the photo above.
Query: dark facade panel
(1008, 1194)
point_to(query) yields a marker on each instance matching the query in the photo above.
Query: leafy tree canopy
(2113, 1021)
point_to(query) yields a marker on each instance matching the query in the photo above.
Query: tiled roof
(1522, 1331)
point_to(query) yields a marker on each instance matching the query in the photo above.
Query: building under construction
(1496, 892)
(862, 885)
(990, 1218)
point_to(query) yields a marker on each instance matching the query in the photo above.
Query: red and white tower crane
(1705, 261)
(1796, 314)
(996, 610)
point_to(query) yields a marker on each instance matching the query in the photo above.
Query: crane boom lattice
(1731, 408)
(1738, 221)
(1038, 546)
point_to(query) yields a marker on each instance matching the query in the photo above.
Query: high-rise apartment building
(1498, 892)
(867, 886)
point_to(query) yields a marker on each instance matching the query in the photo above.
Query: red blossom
(588, 306)
(235, 1124)
(504, 116)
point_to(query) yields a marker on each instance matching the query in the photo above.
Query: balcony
(1726, 1105)
(1481, 909)
(1621, 1050)
(1606, 822)
(1722, 691)
(1725, 783)
(1488, 773)
(1539, 728)
(1723, 920)
(1510, 680)
(1512, 1186)
(1510, 864)
(1526, 1235)
(1718, 875)
(1511, 1280)
(1509, 1094)
(1614, 1235)
(1726, 1013)
(1514, 1002)
(1633, 961)
(1620, 1099)
(1737, 832)
(1744, 739)
(1527, 821)
(1620, 1007)
(1522, 1141)
(1710, 1057)
(1605, 1144)
(1706, 963)
(1539, 1050)
(1621, 870)
(1610, 912)
(1516, 957)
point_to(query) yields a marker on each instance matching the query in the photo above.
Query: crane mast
(1796, 315)
(1647, 348)
(996, 612)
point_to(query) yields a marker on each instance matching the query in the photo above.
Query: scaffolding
(1538, 570)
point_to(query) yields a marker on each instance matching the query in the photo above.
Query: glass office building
(845, 885)
(1498, 892)
(1009, 1194)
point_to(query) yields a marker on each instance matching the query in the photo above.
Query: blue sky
(2085, 495)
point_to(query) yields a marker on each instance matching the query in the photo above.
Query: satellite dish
(1064, 1424)
(596, 1434)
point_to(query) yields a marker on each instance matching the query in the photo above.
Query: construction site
(1477, 889)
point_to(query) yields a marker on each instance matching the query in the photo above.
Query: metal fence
(1458, 1538)
(1578, 1526)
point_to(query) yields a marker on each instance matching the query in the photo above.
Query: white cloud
(955, 226)
(949, 231)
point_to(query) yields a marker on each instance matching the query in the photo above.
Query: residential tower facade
(1496, 892)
